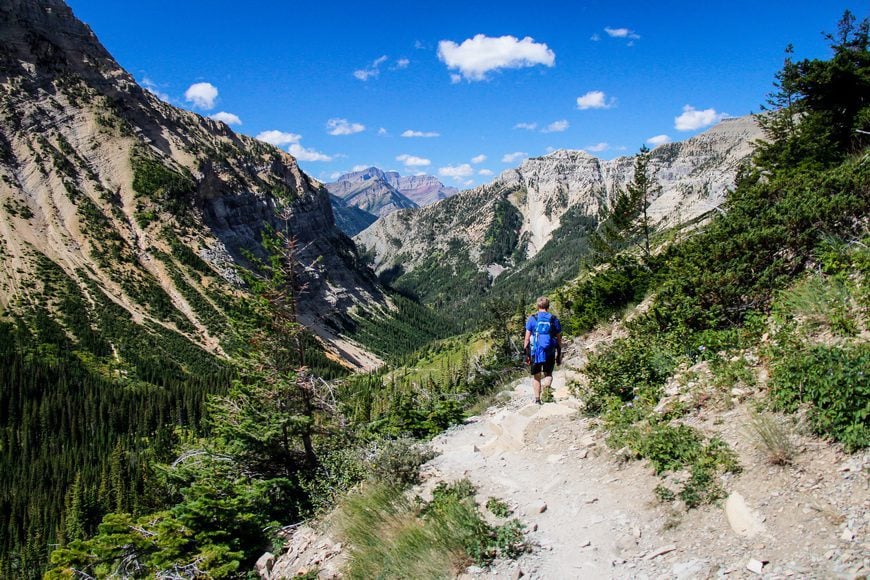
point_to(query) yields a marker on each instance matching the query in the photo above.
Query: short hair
(544, 303)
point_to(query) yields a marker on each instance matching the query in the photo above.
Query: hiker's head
(543, 303)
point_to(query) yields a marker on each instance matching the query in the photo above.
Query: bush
(628, 369)
(833, 381)
(398, 462)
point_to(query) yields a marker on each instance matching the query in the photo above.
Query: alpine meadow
(227, 354)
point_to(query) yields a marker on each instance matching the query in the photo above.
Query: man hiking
(543, 346)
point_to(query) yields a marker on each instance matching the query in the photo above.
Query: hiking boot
(538, 402)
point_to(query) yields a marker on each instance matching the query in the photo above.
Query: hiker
(543, 346)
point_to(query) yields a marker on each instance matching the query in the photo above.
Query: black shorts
(545, 367)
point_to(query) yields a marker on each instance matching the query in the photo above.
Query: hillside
(131, 233)
(537, 217)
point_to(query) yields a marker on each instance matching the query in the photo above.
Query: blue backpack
(543, 344)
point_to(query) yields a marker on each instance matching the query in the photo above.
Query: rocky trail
(590, 512)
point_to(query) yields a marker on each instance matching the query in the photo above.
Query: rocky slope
(511, 220)
(152, 207)
(380, 193)
(591, 512)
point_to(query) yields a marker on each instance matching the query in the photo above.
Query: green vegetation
(393, 537)
(788, 214)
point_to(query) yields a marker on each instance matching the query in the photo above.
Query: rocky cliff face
(152, 206)
(558, 191)
(380, 193)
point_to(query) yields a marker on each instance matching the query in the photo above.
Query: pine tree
(626, 222)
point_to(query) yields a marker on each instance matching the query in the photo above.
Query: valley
(207, 350)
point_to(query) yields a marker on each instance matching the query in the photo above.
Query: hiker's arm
(526, 350)
(559, 349)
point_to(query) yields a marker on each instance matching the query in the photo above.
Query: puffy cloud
(303, 154)
(278, 138)
(343, 127)
(621, 33)
(371, 71)
(595, 100)
(356, 168)
(410, 133)
(598, 147)
(556, 127)
(658, 140)
(402, 63)
(457, 172)
(477, 56)
(478, 159)
(527, 126)
(484, 172)
(382, 132)
(692, 119)
(514, 157)
(413, 161)
(228, 118)
(202, 95)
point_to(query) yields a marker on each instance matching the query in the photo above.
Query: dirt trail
(590, 515)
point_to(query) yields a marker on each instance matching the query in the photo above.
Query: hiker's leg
(536, 386)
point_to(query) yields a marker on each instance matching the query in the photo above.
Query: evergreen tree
(626, 222)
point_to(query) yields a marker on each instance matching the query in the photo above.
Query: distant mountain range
(532, 221)
(378, 193)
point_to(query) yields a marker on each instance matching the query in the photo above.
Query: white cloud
(371, 71)
(455, 78)
(154, 89)
(598, 147)
(478, 159)
(343, 127)
(692, 119)
(621, 33)
(595, 100)
(382, 132)
(484, 172)
(356, 168)
(202, 95)
(556, 127)
(513, 157)
(303, 154)
(658, 140)
(228, 118)
(335, 175)
(477, 56)
(402, 63)
(413, 161)
(457, 172)
(527, 126)
(278, 138)
(410, 133)
(595, 38)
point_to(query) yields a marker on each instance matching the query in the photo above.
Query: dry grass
(772, 437)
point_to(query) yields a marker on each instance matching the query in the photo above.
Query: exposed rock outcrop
(550, 191)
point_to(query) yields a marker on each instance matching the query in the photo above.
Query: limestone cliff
(559, 190)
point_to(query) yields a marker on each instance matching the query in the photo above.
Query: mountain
(380, 193)
(118, 188)
(537, 216)
(131, 233)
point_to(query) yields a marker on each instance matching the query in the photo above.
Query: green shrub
(398, 461)
(628, 369)
(834, 381)
(498, 507)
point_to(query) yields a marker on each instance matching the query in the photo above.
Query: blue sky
(462, 90)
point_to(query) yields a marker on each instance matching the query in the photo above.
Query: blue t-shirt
(545, 345)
